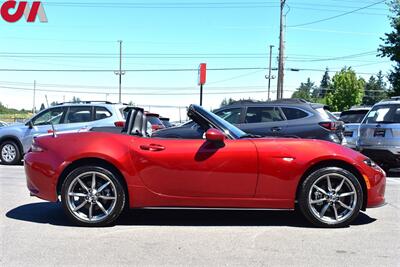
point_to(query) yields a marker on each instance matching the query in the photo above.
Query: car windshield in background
(154, 120)
(384, 114)
(232, 130)
(353, 116)
(324, 114)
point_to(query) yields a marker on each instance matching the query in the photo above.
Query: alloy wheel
(91, 197)
(8, 153)
(332, 198)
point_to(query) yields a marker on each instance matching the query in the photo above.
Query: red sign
(202, 73)
(11, 11)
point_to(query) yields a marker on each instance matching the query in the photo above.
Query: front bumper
(382, 154)
(376, 184)
(41, 177)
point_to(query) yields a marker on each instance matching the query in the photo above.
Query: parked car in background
(380, 133)
(2, 123)
(154, 120)
(16, 139)
(352, 119)
(336, 114)
(166, 122)
(284, 118)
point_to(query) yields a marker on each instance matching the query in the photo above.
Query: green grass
(15, 117)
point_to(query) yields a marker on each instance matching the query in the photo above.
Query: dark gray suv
(283, 118)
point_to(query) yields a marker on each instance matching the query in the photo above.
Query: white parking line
(393, 180)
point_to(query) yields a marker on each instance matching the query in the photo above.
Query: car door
(264, 121)
(297, 123)
(42, 124)
(78, 117)
(196, 167)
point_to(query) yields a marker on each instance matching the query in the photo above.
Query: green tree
(391, 47)
(324, 86)
(304, 90)
(42, 107)
(76, 99)
(375, 90)
(226, 102)
(54, 103)
(347, 90)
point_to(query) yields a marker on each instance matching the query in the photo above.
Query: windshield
(225, 126)
(353, 116)
(384, 114)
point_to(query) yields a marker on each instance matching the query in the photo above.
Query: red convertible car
(96, 174)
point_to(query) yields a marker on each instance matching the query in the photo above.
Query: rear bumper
(41, 178)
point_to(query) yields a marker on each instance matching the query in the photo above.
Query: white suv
(16, 139)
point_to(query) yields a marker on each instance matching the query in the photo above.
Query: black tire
(7, 161)
(332, 200)
(115, 185)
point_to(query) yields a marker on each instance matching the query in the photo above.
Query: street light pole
(120, 72)
(279, 91)
(269, 72)
(34, 97)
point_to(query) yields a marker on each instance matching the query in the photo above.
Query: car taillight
(36, 148)
(156, 127)
(120, 124)
(328, 125)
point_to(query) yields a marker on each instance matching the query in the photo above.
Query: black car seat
(134, 122)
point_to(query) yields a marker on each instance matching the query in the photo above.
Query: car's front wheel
(10, 153)
(92, 196)
(330, 197)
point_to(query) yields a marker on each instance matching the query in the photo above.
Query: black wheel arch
(14, 139)
(340, 164)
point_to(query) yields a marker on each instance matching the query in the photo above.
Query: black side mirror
(29, 124)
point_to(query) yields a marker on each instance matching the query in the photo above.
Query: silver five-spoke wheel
(332, 198)
(93, 196)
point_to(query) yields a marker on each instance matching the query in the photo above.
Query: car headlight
(370, 163)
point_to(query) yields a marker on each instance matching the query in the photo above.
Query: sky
(82, 35)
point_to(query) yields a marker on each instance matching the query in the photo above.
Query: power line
(168, 70)
(337, 16)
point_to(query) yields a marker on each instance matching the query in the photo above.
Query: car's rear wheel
(330, 197)
(92, 196)
(10, 153)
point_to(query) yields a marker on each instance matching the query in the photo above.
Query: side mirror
(29, 124)
(215, 135)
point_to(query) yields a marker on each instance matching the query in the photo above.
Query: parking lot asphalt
(37, 233)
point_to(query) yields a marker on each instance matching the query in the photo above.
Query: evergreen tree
(324, 86)
(375, 90)
(391, 47)
(304, 90)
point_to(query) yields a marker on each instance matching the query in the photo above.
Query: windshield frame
(215, 121)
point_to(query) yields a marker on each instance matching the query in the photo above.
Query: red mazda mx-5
(97, 173)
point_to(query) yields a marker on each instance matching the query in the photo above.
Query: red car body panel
(245, 173)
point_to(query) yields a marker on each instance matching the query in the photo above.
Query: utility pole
(34, 97)
(279, 89)
(269, 72)
(120, 72)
